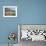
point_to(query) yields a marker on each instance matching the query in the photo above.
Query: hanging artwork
(9, 11)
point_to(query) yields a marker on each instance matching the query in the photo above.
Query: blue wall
(29, 12)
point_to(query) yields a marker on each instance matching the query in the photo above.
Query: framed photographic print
(9, 11)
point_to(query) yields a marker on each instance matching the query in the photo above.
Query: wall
(29, 12)
(33, 11)
(7, 25)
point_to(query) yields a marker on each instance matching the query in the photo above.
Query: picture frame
(9, 11)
